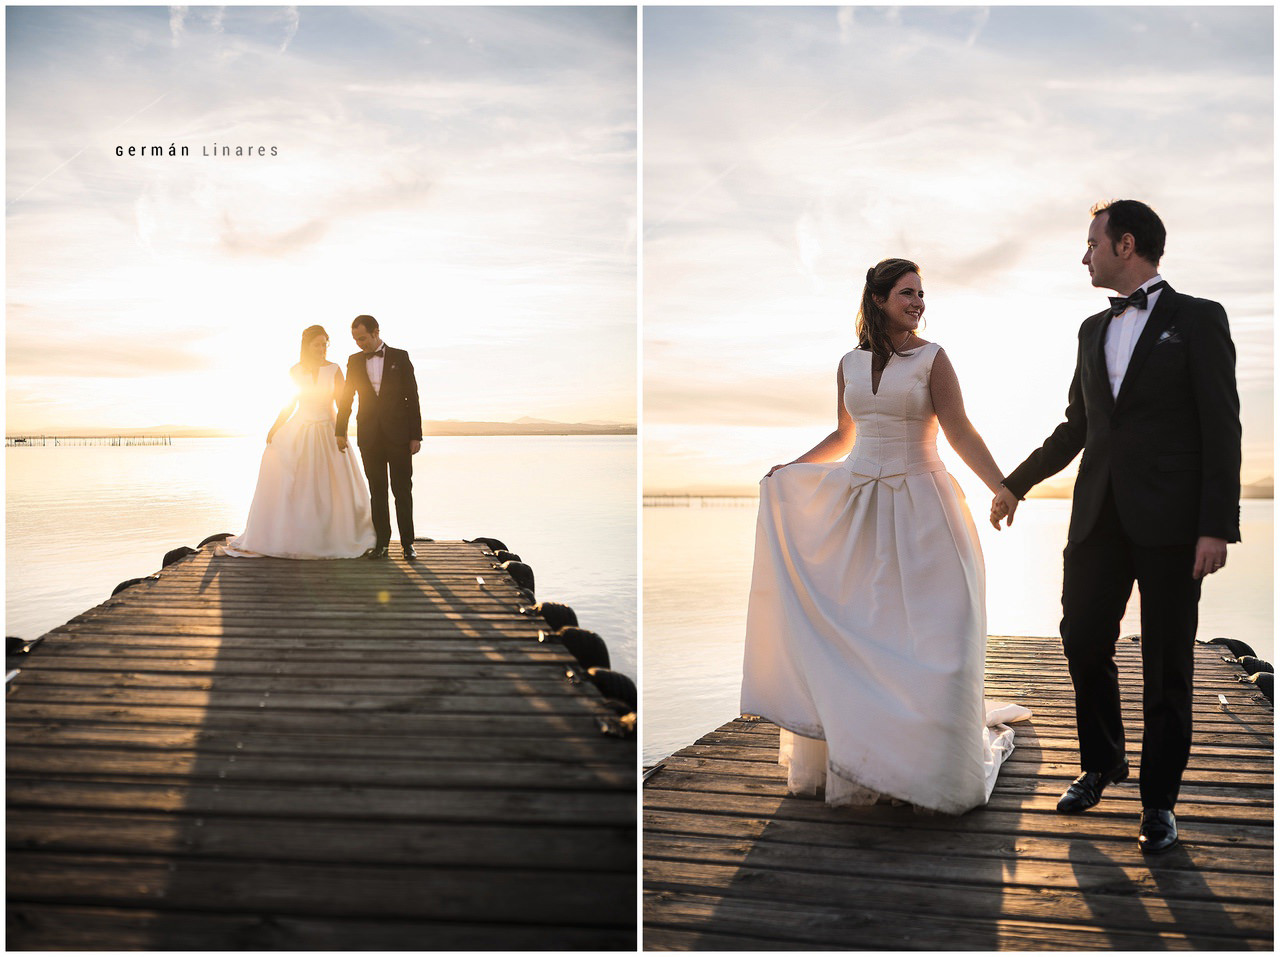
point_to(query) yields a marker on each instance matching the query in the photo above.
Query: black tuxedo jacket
(1168, 445)
(391, 416)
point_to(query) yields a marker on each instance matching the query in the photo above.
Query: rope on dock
(1257, 672)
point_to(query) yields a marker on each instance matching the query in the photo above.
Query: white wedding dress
(311, 500)
(866, 627)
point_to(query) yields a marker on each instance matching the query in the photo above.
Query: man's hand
(1211, 554)
(1003, 506)
(342, 443)
(414, 445)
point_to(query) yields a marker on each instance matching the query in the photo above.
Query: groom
(1153, 404)
(389, 430)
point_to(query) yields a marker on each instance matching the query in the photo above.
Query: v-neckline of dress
(876, 383)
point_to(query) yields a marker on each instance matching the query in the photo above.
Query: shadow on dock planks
(732, 863)
(271, 754)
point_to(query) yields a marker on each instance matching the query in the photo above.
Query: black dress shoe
(1157, 831)
(1086, 790)
(378, 551)
(410, 553)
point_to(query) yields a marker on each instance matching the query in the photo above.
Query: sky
(467, 175)
(786, 150)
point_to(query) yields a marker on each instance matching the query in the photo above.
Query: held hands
(1003, 506)
(1211, 555)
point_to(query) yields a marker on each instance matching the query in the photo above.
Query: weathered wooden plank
(312, 745)
(678, 920)
(1225, 821)
(34, 926)
(369, 802)
(958, 869)
(1063, 742)
(551, 681)
(1025, 759)
(388, 721)
(448, 704)
(1249, 738)
(494, 845)
(1015, 778)
(265, 665)
(879, 890)
(337, 890)
(174, 768)
(1105, 844)
(241, 628)
(490, 650)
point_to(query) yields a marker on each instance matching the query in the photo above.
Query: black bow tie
(375, 355)
(1138, 299)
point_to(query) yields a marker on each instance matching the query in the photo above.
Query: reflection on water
(82, 519)
(697, 572)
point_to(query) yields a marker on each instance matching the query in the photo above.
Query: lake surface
(82, 519)
(697, 574)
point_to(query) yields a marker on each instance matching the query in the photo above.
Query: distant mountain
(1262, 488)
(525, 426)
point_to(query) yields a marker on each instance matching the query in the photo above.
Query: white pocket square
(1168, 336)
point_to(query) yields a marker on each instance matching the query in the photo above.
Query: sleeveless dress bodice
(315, 397)
(896, 426)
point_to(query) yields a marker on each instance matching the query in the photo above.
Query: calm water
(82, 519)
(697, 573)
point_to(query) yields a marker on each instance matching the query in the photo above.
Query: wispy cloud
(291, 24)
(177, 17)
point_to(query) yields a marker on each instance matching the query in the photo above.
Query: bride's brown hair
(308, 334)
(872, 324)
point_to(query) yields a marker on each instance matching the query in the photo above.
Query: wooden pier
(32, 441)
(267, 754)
(732, 863)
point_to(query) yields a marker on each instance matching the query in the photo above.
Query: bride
(866, 625)
(311, 500)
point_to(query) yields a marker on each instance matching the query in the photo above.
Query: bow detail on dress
(893, 481)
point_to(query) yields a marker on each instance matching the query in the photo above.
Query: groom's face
(366, 340)
(1100, 255)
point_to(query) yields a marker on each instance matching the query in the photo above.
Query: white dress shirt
(373, 366)
(1123, 333)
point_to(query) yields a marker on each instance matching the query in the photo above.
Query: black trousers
(383, 459)
(1098, 577)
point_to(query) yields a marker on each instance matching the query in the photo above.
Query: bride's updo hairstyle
(872, 324)
(308, 334)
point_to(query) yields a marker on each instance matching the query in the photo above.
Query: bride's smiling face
(904, 305)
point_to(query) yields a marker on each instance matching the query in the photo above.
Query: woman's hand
(776, 467)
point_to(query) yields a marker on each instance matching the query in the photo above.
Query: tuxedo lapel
(1097, 352)
(388, 368)
(1157, 322)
